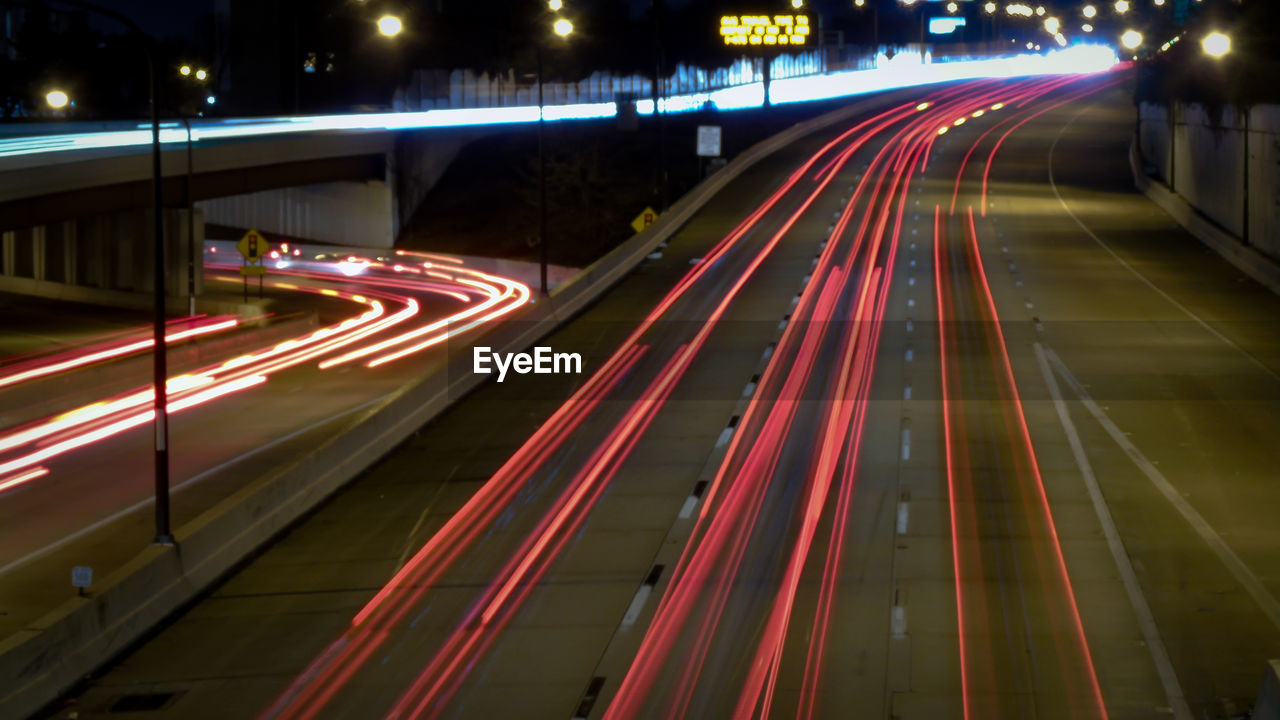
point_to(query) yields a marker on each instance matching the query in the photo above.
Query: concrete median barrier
(50, 656)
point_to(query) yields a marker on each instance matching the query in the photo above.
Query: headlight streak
(308, 695)
(76, 428)
(377, 622)
(903, 73)
(101, 352)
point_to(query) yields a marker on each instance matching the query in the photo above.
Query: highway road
(929, 415)
(76, 446)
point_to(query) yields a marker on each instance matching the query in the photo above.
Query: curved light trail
(388, 302)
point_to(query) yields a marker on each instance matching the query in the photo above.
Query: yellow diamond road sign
(252, 246)
(644, 219)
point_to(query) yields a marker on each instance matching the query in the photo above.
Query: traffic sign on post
(644, 219)
(709, 141)
(252, 246)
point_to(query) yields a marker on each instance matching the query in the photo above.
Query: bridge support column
(103, 259)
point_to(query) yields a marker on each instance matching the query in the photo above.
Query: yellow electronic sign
(764, 29)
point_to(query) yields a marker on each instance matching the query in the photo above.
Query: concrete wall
(346, 213)
(105, 259)
(1224, 163)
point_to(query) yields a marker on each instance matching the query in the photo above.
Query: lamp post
(562, 28)
(164, 535)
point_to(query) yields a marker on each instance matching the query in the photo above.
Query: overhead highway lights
(1040, 11)
(201, 74)
(1019, 9)
(562, 27)
(1086, 27)
(1216, 44)
(211, 100)
(1122, 6)
(859, 3)
(555, 5)
(1159, 3)
(1060, 39)
(1131, 39)
(952, 7)
(390, 26)
(797, 4)
(943, 130)
(1089, 11)
(57, 99)
(922, 106)
(997, 106)
(990, 8)
(1051, 25)
(185, 70)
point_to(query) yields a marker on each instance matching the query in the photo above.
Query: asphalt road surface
(905, 423)
(92, 504)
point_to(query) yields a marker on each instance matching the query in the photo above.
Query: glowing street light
(1216, 44)
(990, 8)
(1051, 25)
(57, 99)
(562, 27)
(797, 4)
(1040, 10)
(555, 5)
(1086, 27)
(952, 7)
(390, 25)
(185, 70)
(201, 75)
(1089, 11)
(1131, 39)
(1122, 6)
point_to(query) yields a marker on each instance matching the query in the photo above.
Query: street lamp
(952, 7)
(562, 29)
(201, 75)
(1216, 44)
(57, 99)
(1051, 25)
(555, 5)
(185, 70)
(390, 25)
(1089, 11)
(1122, 6)
(990, 8)
(159, 367)
(1131, 39)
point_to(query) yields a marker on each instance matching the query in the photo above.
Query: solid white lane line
(1146, 621)
(1266, 601)
(902, 518)
(906, 443)
(1187, 311)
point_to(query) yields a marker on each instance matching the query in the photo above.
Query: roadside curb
(1248, 260)
(56, 651)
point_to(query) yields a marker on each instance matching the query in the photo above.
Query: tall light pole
(159, 367)
(562, 28)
